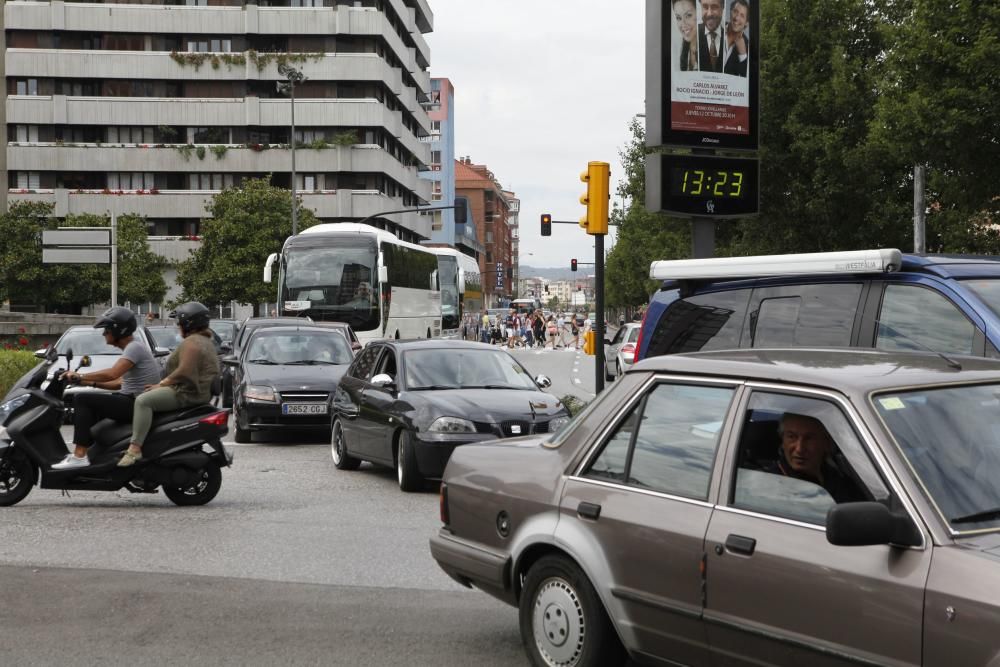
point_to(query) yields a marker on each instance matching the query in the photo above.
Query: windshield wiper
(266, 362)
(985, 515)
(494, 386)
(432, 387)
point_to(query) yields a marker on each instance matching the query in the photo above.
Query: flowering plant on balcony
(190, 238)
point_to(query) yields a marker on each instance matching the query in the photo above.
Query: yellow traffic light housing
(597, 177)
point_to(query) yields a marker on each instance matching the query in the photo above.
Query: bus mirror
(271, 259)
(434, 281)
(383, 273)
(461, 281)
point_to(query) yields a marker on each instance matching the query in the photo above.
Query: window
(820, 315)
(131, 181)
(28, 180)
(27, 133)
(435, 157)
(27, 87)
(307, 182)
(704, 322)
(365, 361)
(916, 318)
(670, 447)
(211, 181)
(209, 135)
(797, 456)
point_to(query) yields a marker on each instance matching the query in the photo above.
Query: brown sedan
(758, 507)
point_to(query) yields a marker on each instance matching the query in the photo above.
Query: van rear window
(702, 322)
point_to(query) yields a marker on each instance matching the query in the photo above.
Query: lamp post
(293, 78)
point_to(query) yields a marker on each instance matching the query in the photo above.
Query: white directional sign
(88, 236)
(76, 255)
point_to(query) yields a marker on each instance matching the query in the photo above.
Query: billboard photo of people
(710, 66)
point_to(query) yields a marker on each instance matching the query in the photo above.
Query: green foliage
(219, 150)
(346, 138)
(261, 60)
(200, 152)
(318, 144)
(574, 404)
(642, 236)
(23, 277)
(196, 60)
(185, 151)
(247, 224)
(14, 364)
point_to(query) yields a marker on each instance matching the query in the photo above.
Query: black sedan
(240, 339)
(409, 404)
(285, 377)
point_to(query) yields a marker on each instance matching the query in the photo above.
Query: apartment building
(489, 210)
(153, 106)
(446, 230)
(513, 222)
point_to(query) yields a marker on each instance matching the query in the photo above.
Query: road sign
(76, 255)
(87, 236)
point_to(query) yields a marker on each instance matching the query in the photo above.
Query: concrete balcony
(356, 204)
(145, 65)
(158, 19)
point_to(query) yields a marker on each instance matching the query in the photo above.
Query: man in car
(804, 452)
(362, 297)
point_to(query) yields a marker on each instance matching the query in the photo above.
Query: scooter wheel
(17, 475)
(208, 485)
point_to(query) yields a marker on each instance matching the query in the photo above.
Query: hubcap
(337, 450)
(9, 479)
(199, 486)
(558, 623)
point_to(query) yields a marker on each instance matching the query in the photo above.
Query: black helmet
(119, 321)
(192, 316)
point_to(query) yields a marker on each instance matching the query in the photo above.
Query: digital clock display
(709, 186)
(690, 182)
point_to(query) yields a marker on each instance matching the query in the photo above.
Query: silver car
(619, 352)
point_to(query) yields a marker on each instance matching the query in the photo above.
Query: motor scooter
(183, 452)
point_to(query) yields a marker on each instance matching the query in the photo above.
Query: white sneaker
(72, 462)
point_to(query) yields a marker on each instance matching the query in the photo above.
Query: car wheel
(227, 398)
(338, 449)
(618, 369)
(406, 465)
(240, 435)
(562, 619)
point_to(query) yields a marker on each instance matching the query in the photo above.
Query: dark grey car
(764, 507)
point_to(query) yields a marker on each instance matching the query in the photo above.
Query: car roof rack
(885, 260)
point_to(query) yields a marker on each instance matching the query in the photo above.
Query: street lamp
(293, 78)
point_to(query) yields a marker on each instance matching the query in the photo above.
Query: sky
(542, 87)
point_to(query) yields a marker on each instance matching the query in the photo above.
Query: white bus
(366, 277)
(461, 288)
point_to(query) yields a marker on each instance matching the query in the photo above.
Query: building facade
(513, 222)
(153, 107)
(489, 210)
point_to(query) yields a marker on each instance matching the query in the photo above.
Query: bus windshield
(337, 283)
(448, 281)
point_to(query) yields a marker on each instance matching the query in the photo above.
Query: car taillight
(216, 418)
(628, 348)
(638, 340)
(443, 499)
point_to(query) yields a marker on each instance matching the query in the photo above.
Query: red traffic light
(572, 265)
(546, 224)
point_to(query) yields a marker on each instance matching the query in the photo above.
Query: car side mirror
(42, 354)
(230, 361)
(225, 348)
(543, 381)
(608, 341)
(384, 381)
(161, 352)
(867, 524)
(356, 346)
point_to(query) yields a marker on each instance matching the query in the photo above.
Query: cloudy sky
(542, 88)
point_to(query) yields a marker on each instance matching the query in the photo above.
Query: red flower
(22, 341)
(7, 346)
(45, 346)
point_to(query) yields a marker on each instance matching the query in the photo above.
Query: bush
(574, 404)
(14, 364)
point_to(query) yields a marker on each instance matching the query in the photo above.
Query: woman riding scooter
(129, 376)
(191, 369)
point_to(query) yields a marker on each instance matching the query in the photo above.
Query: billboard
(703, 73)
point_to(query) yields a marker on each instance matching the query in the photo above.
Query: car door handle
(588, 511)
(738, 544)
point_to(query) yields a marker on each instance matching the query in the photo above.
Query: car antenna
(948, 360)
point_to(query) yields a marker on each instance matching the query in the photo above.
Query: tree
(642, 237)
(64, 287)
(247, 224)
(140, 270)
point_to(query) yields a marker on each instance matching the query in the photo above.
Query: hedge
(14, 364)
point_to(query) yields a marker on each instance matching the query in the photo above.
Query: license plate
(304, 409)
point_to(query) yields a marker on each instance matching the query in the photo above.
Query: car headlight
(452, 425)
(10, 406)
(257, 392)
(558, 423)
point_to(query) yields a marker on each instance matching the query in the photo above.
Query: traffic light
(572, 265)
(546, 224)
(597, 178)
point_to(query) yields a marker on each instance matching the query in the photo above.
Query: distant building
(490, 211)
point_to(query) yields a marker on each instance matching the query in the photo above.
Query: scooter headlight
(8, 408)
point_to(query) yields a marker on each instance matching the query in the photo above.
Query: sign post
(84, 245)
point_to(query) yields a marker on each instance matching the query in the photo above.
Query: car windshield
(300, 348)
(168, 337)
(951, 438)
(85, 341)
(632, 335)
(226, 330)
(464, 369)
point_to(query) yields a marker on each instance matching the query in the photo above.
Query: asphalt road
(294, 562)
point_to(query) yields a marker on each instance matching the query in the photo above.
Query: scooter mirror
(84, 362)
(69, 356)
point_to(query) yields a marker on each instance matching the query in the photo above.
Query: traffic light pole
(599, 315)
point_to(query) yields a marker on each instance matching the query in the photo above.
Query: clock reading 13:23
(708, 186)
(707, 182)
